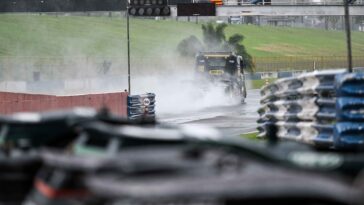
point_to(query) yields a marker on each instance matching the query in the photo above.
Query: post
(128, 39)
(314, 65)
(348, 35)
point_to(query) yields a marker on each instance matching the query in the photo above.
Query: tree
(190, 46)
(235, 44)
(214, 39)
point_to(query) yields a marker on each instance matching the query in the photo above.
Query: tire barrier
(84, 157)
(141, 107)
(22, 134)
(283, 74)
(273, 74)
(323, 108)
(22, 102)
(16, 177)
(32, 130)
(112, 139)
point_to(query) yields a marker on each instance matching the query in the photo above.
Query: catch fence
(33, 68)
(308, 63)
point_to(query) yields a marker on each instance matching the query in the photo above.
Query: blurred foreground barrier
(81, 157)
(324, 108)
(141, 107)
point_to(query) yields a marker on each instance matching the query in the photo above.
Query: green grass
(251, 136)
(268, 41)
(258, 84)
(34, 35)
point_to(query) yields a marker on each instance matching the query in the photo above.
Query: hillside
(62, 44)
(34, 35)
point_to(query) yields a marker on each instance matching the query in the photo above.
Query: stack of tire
(88, 157)
(16, 177)
(322, 108)
(22, 136)
(141, 107)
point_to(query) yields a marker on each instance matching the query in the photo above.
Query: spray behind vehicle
(223, 68)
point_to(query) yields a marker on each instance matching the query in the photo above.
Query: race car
(225, 68)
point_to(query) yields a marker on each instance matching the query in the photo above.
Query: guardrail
(324, 108)
(141, 107)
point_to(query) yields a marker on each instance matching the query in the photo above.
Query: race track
(232, 120)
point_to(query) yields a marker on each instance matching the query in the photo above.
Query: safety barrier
(18, 102)
(273, 74)
(323, 108)
(310, 63)
(22, 102)
(141, 107)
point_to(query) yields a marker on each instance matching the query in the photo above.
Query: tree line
(214, 39)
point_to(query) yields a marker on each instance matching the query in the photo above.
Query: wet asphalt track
(231, 120)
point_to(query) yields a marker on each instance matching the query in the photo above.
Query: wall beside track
(11, 102)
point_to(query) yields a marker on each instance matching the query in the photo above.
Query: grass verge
(258, 84)
(250, 135)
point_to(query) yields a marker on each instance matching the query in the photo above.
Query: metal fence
(56, 68)
(309, 63)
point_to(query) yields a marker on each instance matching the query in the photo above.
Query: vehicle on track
(224, 68)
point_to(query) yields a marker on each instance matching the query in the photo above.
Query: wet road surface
(232, 120)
